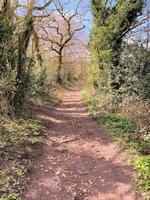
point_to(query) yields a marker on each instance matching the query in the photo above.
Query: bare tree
(59, 29)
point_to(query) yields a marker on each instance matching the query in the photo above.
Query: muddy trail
(79, 161)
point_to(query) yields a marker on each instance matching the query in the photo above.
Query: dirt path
(79, 161)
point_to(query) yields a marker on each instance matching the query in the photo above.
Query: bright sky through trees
(84, 9)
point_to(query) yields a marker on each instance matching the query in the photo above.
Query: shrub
(134, 69)
(142, 165)
(116, 122)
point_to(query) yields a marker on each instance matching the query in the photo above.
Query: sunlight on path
(79, 161)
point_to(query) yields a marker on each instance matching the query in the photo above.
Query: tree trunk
(37, 48)
(59, 79)
(22, 78)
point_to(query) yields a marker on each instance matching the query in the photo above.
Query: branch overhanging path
(79, 160)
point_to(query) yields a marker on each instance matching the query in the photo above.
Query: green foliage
(19, 131)
(13, 196)
(23, 84)
(142, 165)
(22, 171)
(16, 75)
(7, 65)
(116, 122)
(111, 23)
(42, 89)
(41, 86)
(18, 146)
(135, 71)
(7, 46)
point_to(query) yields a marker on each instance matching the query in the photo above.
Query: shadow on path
(79, 161)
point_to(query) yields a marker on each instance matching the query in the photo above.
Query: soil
(79, 160)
